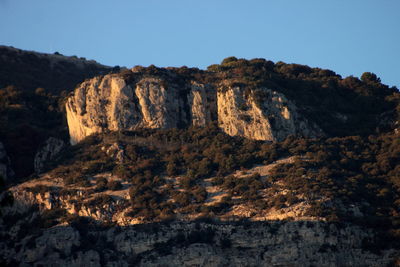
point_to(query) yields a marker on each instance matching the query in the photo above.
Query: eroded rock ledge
(273, 243)
(113, 103)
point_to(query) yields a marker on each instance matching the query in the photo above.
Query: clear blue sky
(347, 36)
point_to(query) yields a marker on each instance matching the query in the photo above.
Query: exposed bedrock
(111, 103)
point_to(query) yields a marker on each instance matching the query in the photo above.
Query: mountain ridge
(247, 162)
(245, 97)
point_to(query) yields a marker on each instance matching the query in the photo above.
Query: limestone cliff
(274, 243)
(114, 103)
(264, 115)
(203, 104)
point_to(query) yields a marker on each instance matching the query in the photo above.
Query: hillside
(32, 88)
(30, 70)
(253, 98)
(249, 162)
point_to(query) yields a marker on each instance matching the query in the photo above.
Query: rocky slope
(50, 192)
(110, 103)
(197, 244)
(241, 235)
(170, 166)
(28, 239)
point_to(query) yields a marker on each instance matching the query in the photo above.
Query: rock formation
(269, 116)
(273, 243)
(112, 103)
(193, 196)
(47, 152)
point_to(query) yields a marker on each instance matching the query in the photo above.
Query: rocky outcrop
(112, 103)
(263, 114)
(74, 204)
(269, 243)
(279, 243)
(115, 151)
(47, 152)
(275, 241)
(202, 101)
(160, 107)
(5, 167)
(99, 104)
(109, 103)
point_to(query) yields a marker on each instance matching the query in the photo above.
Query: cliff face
(268, 115)
(274, 243)
(111, 103)
(268, 243)
(101, 103)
